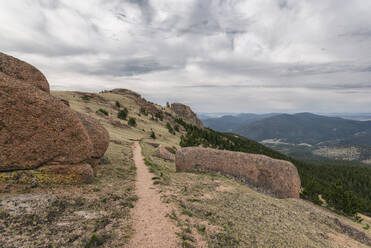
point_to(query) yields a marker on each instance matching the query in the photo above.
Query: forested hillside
(345, 188)
(309, 128)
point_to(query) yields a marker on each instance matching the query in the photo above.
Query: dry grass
(227, 213)
(211, 210)
(97, 213)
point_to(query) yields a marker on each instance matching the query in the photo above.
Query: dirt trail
(152, 227)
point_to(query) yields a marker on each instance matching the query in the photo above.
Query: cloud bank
(216, 55)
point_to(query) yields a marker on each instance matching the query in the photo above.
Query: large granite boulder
(23, 71)
(37, 129)
(276, 177)
(41, 138)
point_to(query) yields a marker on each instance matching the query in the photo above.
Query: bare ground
(152, 227)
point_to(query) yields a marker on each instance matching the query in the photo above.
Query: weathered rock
(125, 92)
(155, 145)
(92, 96)
(98, 135)
(117, 142)
(42, 140)
(277, 177)
(164, 153)
(23, 71)
(65, 102)
(186, 113)
(117, 123)
(38, 129)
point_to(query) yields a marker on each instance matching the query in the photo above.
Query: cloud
(216, 55)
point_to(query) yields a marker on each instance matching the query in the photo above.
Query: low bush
(153, 135)
(132, 122)
(123, 114)
(103, 111)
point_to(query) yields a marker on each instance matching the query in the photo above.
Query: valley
(304, 136)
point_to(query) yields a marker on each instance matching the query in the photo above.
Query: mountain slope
(210, 210)
(309, 128)
(229, 123)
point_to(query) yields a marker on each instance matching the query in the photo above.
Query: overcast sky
(215, 55)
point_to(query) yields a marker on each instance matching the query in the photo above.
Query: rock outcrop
(276, 177)
(186, 113)
(125, 92)
(40, 136)
(164, 153)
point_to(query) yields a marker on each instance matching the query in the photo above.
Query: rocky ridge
(186, 113)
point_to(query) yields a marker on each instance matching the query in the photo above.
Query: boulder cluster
(41, 138)
(276, 177)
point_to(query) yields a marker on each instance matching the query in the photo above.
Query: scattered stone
(102, 115)
(117, 123)
(155, 145)
(171, 150)
(117, 142)
(277, 177)
(65, 102)
(27, 203)
(91, 215)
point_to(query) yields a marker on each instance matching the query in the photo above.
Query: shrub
(342, 200)
(143, 111)
(159, 115)
(170, 128)
(96, 240)
(132, 122)
(366, 227)
(85, 97)
(123, 114)
(153, 135)
(103, 111)
(118, 104)
(176, 128)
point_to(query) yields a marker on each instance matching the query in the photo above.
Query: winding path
(152, 227)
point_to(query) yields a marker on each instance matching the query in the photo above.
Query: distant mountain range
(231, 123)
(303, 133)
(296, 128)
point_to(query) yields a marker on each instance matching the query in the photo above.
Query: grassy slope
(210, 209)
(221, 212)
(227, 213)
